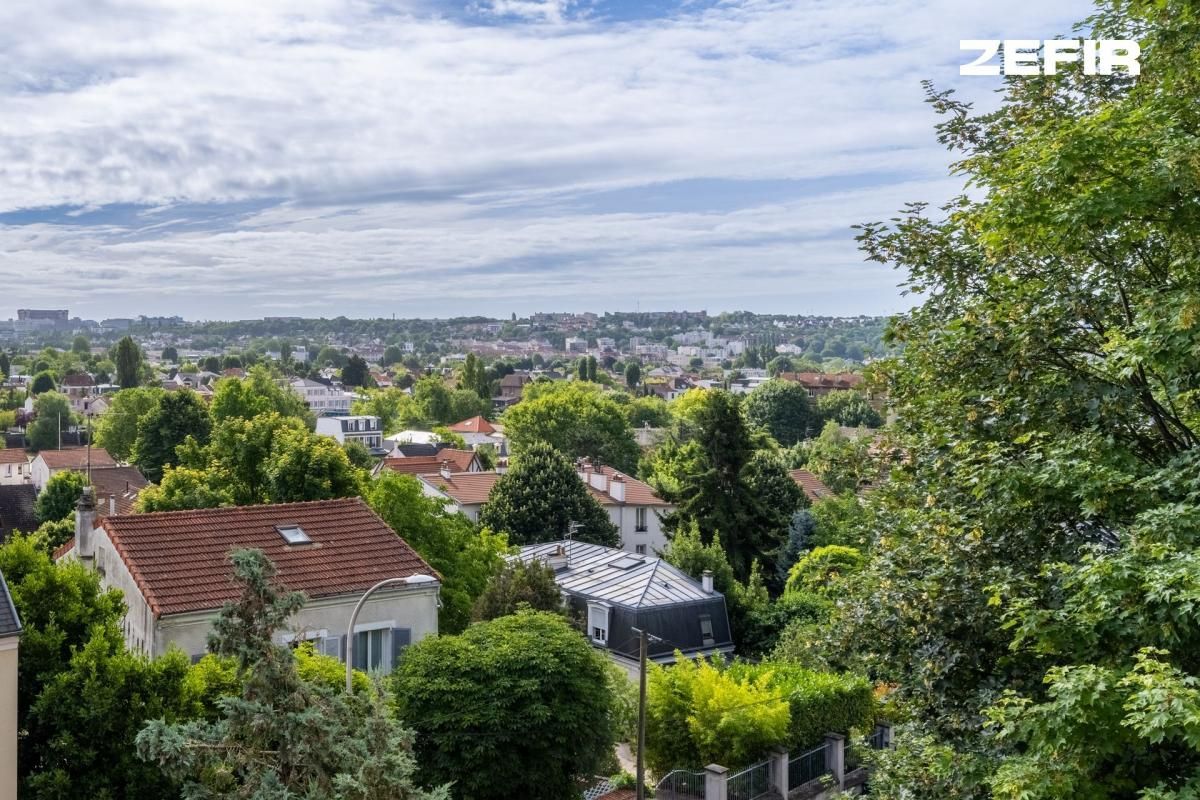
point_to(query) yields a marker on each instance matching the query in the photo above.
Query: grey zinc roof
(10, 623)
(619, 577)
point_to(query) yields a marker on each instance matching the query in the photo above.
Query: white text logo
(1029, 56)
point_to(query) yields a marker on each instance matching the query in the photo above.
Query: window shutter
(332, 646)
(401, 638)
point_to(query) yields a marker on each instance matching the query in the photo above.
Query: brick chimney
(85, 523)
(444, 469)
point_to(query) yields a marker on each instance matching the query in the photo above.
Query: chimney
(85, 522)
(616, 488)
(558, 560)
(112, 504)
(599, 480)
(706, 581)
(445, 470)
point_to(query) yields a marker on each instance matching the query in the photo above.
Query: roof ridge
(254, 506)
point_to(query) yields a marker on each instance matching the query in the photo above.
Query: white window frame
(599, 633)
(385, 642)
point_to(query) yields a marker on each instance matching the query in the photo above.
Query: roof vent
(293, 534)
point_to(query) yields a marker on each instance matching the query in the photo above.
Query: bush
(821, 569)
(819, 702)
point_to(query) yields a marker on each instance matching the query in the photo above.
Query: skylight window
(629, 562)
(293, 534)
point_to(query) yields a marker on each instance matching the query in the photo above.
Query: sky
(230, 159)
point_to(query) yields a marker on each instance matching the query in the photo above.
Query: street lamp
(417, 581)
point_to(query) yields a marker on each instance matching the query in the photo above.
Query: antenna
(572, 527)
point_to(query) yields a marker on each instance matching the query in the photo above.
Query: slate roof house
(174, 570)
(615, 592)
(16, 510)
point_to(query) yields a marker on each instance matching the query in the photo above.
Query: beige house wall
(8, 718)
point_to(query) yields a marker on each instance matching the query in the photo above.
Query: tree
(116, 430)
(41, 383)
(395, 408)
(843, 463)
(578, 420)
(128, 359)
(591, 368)
(174, 417)
(539, 498)
(822, 568)
(648, 412)
(783, 409)
(358, 454)
(170, 355)
(53, 417)
(303, 466)
(464, 557)
(704, 468)
(520, 585)
(59, 496)
(257, 393)
(281, 735)
(848, 407)
(1028, 586)
(81, 346)
(465, 404)
(356, 372)
(524, 694)
(392, 354)
(433, 400)
(5, 365)
(633, 375)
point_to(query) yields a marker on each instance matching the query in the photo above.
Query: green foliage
(850, 408)
(633, 374)
(578, 420)
(822, 569)
(356, 373)
(170, 355)
(396, 409)
(466, 558)
(648, 412)
(59, 497)
(842, 519)
(116, 430)
(266, 459)
(175, 417)
(783, 409)
(520, 585)
(87, 717)
(698, 713)
(358, 454)
(844, 463)
(53, 416)
(818, 702)
(282, 735)
(708, 469)
(540, 496)
(433, 400)
(42, 382)
(257, 393)
(524, 695)
(327, 671)
(128, 358)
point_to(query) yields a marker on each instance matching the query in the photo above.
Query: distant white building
(323, 400)
(366, 430)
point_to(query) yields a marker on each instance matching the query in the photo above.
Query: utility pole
(643, 640)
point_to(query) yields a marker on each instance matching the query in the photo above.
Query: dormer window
(293, 534)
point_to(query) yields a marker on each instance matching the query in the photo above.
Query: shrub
(821, 569)
(819, 702)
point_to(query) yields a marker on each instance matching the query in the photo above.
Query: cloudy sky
(239, 158)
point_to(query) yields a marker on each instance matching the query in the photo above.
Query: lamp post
(411, 580)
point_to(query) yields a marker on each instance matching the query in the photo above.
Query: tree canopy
(783, 409)
(578, 420)
(174, 417)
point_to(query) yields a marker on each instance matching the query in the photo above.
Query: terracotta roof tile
(180, 559)
(814, 488)
(121, 483)
(13, 455)
(76, 458)
(473, 425)
(458, 461)
(467, 488)
(637, 493)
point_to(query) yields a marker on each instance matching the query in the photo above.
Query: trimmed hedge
(819, 702)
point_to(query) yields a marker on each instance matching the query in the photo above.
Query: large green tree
(850, 408)
(524, 694)
(1029, 588)
(539, 498)
(175, 417)
(783, 409)
(54, 417)
(128, 358)
(59, 496)
(117, 428)
(259, 392)
(578, 420)
(282, 735)
(465, 557)
(520, 585)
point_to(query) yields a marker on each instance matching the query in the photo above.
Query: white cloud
(336, 110)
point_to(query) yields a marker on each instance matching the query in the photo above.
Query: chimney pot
(112, 504)
(706, 581)
(85, 522)
(445, 470)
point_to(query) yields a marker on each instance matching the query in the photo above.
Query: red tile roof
(814, 488)
(832, 380)
(78, 379)
(123, 484)
(12, 455)
(467, 488)
(76, 458)
(457, 460)
(180, 559)
(473, 425)
(636, 492)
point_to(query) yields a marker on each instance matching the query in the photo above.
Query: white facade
(365, 430)
(322, 400)
(14, 472)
